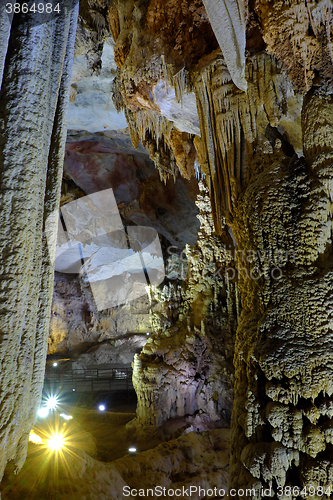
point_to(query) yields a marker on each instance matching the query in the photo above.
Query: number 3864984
(36, 8)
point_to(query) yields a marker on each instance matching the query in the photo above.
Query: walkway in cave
(103, 378)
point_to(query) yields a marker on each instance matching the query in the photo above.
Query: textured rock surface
(275, 202)
(91, 337)
(177, 90)
(32, 129)
(284, 340)
(186, 365)
(229, 119)
(153, 85)
(300, 35)
(5, 26)
(98, 162)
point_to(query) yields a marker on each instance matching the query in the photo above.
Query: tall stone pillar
(33, 103)
(282, 431)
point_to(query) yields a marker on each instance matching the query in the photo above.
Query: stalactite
(227, 115)
(182, 83)
(144, 70)
(228, 22)
(158, 127)
(321, 14)
(163, 158)
(285, 28)
(167, 146)
(228, 124)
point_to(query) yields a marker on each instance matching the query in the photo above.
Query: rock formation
(196, 459)
(186, 365)
(93, 163)
(236, 98)
(282, 355)
(36, 59)
(276, 202)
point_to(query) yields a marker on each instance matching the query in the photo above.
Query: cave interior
(166, 258)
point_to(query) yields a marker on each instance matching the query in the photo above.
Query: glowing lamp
(56, 442)
(132, 449)
(101, 407)
(51, 403)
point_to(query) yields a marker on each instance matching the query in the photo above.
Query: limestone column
(282, 431)
(33, 104)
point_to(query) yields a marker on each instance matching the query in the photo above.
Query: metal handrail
(89, 374)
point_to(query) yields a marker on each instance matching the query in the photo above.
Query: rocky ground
(95, 463)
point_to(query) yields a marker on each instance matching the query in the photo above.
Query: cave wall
(36, 63)
(94, 162)
(281, 422)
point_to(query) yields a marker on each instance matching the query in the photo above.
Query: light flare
(34, 438)
(66, 417)
(43, 412)
(52, 403)
(56, 442)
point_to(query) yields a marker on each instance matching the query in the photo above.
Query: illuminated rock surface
(91, 107)
(195, 459)
(34, 95)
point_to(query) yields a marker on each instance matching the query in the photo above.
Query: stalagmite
(185, 367)
(283, 343)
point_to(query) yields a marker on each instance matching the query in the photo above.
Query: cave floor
(91, 436)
